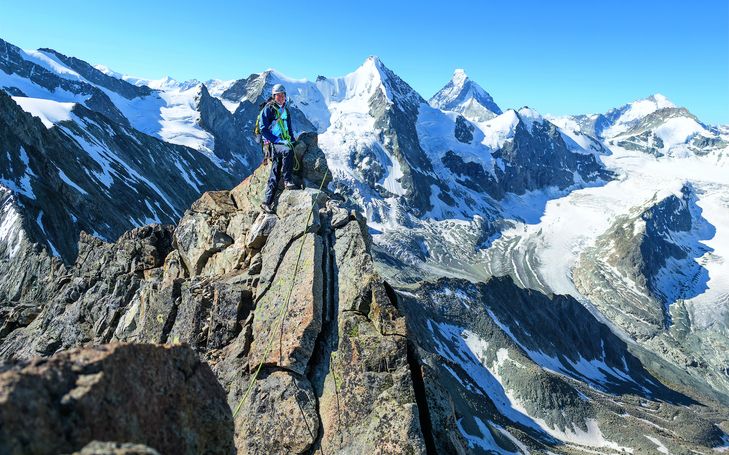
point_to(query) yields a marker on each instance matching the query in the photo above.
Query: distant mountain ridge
(563, 277)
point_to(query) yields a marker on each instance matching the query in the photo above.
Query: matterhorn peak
(459, 77)
(374, 60)
(466, 97)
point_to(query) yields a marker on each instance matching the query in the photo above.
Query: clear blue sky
(564, 57)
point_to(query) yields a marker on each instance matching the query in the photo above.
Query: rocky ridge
(335, 373)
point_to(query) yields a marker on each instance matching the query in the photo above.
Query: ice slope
(170, 114)
(569, 224)
(11, 230)
(48, 111)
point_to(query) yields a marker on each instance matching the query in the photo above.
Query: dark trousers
(282, 162)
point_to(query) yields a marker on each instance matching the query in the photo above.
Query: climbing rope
(282, 314)
(287, 138)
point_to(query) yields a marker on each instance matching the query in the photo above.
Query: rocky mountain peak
(373, 77)
(459, 77)
(661, 100)
(465, 96)
(529, 116)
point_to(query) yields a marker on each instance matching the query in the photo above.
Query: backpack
(257, 127)
(266, 148)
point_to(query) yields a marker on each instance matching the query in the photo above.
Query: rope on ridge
(284, 310)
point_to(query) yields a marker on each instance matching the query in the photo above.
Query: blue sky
(556, 57)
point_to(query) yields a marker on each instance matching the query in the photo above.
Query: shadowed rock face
(334, 371)
(540, 158)
(464, 130)
(234, 144)
(500, 364)
(93, 75)
(115, 393)
(12, 62)
(78, 172)
(652, 253)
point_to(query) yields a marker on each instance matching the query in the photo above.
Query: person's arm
(267, 119)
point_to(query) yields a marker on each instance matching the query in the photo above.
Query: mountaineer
(275, 127)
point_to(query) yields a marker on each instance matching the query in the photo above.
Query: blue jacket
(270, 129)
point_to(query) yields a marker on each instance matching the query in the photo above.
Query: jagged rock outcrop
(163, 397)
(538, 157)
(294, 293)
(28, 271)
(233, 142)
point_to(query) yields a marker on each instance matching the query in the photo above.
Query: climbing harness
(284, 134)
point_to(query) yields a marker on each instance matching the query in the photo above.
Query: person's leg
(273, 178)
(288, 165)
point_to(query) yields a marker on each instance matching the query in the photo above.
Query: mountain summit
(463, 95)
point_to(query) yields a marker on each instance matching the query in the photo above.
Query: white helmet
(278, 88)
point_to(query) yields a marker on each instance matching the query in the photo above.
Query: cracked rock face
(287, 307)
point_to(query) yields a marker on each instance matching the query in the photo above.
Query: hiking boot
(266, 208)
(291, 186)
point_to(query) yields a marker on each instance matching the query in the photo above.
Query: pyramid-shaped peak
(373, 60)
(459, 76)
(374, 77)
(465, 96)
(373, 65)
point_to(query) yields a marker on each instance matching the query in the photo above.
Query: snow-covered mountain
(87, 172)
(595, 245)
(652, 125)
(75, 151)
(181, 113)
(466, 97)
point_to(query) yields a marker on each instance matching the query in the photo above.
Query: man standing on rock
(276, 130)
